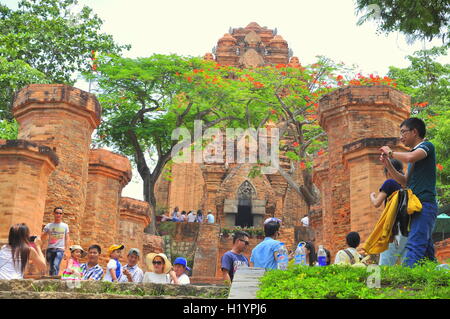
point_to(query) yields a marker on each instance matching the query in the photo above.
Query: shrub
(346, 282)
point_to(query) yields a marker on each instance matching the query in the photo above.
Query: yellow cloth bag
(378, 241)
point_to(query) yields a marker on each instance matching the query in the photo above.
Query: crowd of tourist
(23, 248)
(191, 217)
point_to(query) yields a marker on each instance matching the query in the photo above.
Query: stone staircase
(59, 289)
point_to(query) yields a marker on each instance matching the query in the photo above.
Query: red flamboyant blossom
(440, 167)
(295, 144)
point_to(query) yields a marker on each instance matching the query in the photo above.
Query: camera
(32, 238)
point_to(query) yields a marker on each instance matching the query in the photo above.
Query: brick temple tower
(222, 187)
(63, 118)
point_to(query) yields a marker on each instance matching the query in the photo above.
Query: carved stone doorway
(246, 210)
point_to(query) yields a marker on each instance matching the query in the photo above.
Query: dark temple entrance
(244, 217)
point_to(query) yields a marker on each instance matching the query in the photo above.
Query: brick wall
(442, 249)
(205, 261)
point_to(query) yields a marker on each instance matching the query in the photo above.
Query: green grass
(346, 282)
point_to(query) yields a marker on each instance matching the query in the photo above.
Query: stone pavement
(246, 283)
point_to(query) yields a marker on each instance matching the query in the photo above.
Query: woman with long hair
(311, 257)
(15, 256)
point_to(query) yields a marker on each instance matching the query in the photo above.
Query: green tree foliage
(417, 19)
(428, 82)
(145, 99)
(45, 41)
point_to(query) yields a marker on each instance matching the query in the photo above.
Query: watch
(390, 154)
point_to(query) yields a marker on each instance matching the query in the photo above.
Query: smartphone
(32, 238)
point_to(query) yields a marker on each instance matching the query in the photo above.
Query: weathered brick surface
(207, 250)
(186, 191)
(348, 115)
(108, 174)
(442, 249)
(24, 171)
(63, 118)
(134, 217)
(252, 46)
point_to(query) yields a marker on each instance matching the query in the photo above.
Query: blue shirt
(422, 180)
(232, 261)
(210, 218)
(263, 253)
(389, 186)
(95, 272)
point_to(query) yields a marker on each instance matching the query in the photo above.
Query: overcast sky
(192, 27)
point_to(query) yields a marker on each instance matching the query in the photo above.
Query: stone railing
(60, 289)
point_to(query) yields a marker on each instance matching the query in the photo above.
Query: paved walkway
(245, 283)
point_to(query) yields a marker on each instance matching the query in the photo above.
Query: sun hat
(75, 247)
(149, 261)
(115, 247)
(181, 261)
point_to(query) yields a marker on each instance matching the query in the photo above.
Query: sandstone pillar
(25, 168)
(108, 174)
(63, 118)
(348, 115)
(134, 217)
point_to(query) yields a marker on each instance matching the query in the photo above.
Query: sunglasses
(58, 213)
(157, 262)
(245, 241)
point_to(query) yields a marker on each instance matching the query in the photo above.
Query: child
(114, 268)
(73, 270)
(396, 248)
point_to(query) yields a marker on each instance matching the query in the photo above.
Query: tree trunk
(149, 197)
(305, 191)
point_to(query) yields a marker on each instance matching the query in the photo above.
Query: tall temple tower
(236, 199)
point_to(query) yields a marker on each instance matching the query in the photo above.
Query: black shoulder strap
(350, 255)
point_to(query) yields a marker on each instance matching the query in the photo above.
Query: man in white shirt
(192, 216)
(305, 221)
(131, 271)
(56, 235)
(349, 255)
(180, 267)
(210, 217)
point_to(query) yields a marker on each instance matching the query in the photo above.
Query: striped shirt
(95, 273)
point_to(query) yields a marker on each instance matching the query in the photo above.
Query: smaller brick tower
(25, 168)
(108, 175)
(134, 217)
(358, 120)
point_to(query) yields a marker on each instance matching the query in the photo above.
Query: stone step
(246, 283)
